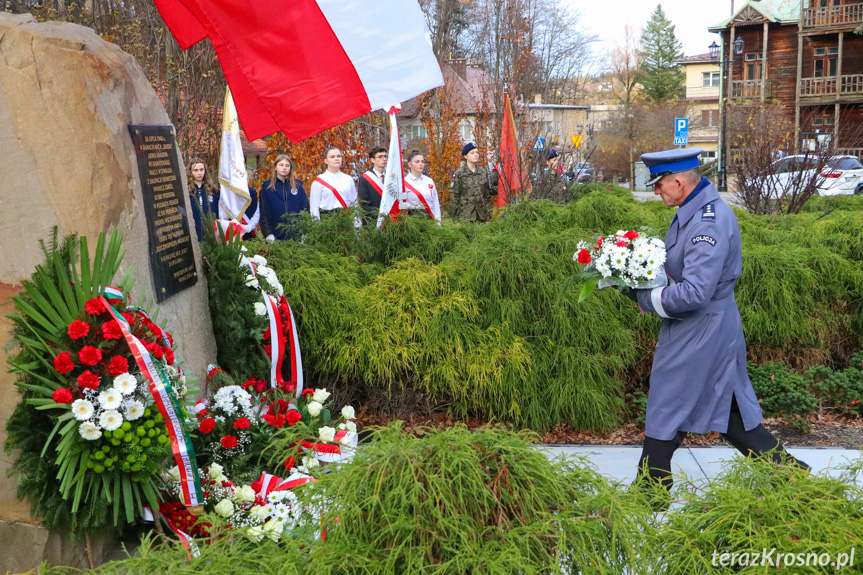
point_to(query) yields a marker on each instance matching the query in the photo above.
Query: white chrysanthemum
(649, 273)
(110, 419)
(252, 281)
(260, 308)
(259, 260)
(110, 399)
(280, 290)
(327, 433)
(125, 383)
(89, 431)
(618, 259)
(82, 409)
(640, 254)
(134, 410)
(320, 395)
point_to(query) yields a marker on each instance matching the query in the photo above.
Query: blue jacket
(204, 206)
(700, 360)
(278, 202)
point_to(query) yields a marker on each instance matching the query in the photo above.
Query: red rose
(242, 423)
(118, 366)
(62, 395)
(631, 235)
(169, 355)
(63, 363)
(229, 442)
(621, 244)
(78, 329)
(207, 425)
(94, 306)
(260, 386)
(583, 257)
(88, 380)
(90, 355)
(290, 462)
(293, 416)
(288, 386)
(307, 392)
(111, 330)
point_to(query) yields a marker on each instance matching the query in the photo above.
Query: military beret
(467, 148)
(552, 154)
(670, 161)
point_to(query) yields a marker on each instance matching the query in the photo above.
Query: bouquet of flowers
(99, 416)
(268, 507)
(625, 258)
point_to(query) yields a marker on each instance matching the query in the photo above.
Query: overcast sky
(607, 18)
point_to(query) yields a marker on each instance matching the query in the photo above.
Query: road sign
(540, 144)
(576, 140)
(681, 131)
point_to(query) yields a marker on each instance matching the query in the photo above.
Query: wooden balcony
(848, 87)
(833, 17)
(750, 89)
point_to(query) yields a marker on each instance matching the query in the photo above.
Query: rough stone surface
(67, 160)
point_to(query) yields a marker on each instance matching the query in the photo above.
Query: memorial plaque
(172, 261)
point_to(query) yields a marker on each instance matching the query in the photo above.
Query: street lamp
(718, 57)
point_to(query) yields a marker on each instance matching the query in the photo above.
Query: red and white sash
(334, 191)
(421, 198)
(375, 185)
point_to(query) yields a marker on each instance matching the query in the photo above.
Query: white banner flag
(234, 197)
(394, 189)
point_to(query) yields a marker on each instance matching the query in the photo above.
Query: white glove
(271, 238)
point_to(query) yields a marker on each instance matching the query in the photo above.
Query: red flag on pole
(302, 66)
(511, 174)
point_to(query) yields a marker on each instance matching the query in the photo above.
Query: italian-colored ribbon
(169, 408)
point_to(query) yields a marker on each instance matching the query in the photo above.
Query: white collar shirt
(322, 198)
(425, 186)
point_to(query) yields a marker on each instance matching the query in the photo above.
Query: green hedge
(481, 317)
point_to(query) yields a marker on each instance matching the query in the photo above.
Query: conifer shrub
(756, 506)
(580, 191)
(459, 502)
(782, 392)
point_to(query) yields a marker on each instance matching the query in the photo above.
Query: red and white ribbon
(333, 452)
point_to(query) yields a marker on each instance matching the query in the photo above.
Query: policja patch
(707, 239)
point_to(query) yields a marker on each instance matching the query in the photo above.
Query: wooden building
(804, 55)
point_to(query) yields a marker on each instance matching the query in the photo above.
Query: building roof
(466, 82)
(779, 11)
(253, 148)
(696, 59)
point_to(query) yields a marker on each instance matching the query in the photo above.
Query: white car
(840, 175)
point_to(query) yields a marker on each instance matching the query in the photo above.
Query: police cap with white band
(668, 162)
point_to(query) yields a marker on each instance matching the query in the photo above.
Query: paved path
(620, 462)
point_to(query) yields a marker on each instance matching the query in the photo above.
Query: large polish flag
(302, 66)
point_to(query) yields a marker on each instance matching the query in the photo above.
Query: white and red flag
(394, 178)
(302, 66)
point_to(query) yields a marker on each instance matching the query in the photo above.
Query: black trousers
(656, 454)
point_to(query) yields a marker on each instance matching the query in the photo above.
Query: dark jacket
(204, 206)
(370, 199)
(278, 202)
(250, 211)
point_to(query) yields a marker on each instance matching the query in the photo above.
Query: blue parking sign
(681, 131)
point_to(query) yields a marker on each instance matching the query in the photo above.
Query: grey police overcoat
(700, 360)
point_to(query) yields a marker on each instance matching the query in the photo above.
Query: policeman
(471, 189)
(699, 381)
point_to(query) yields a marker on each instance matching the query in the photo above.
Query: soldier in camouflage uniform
(551, 185)
(471, 189)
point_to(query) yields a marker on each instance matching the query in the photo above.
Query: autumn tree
(659, 50)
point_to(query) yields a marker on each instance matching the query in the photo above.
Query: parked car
(839, 175)
(584, 172)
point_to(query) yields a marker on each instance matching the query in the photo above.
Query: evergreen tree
(662, 79)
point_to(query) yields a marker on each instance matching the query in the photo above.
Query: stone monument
(67, 159)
